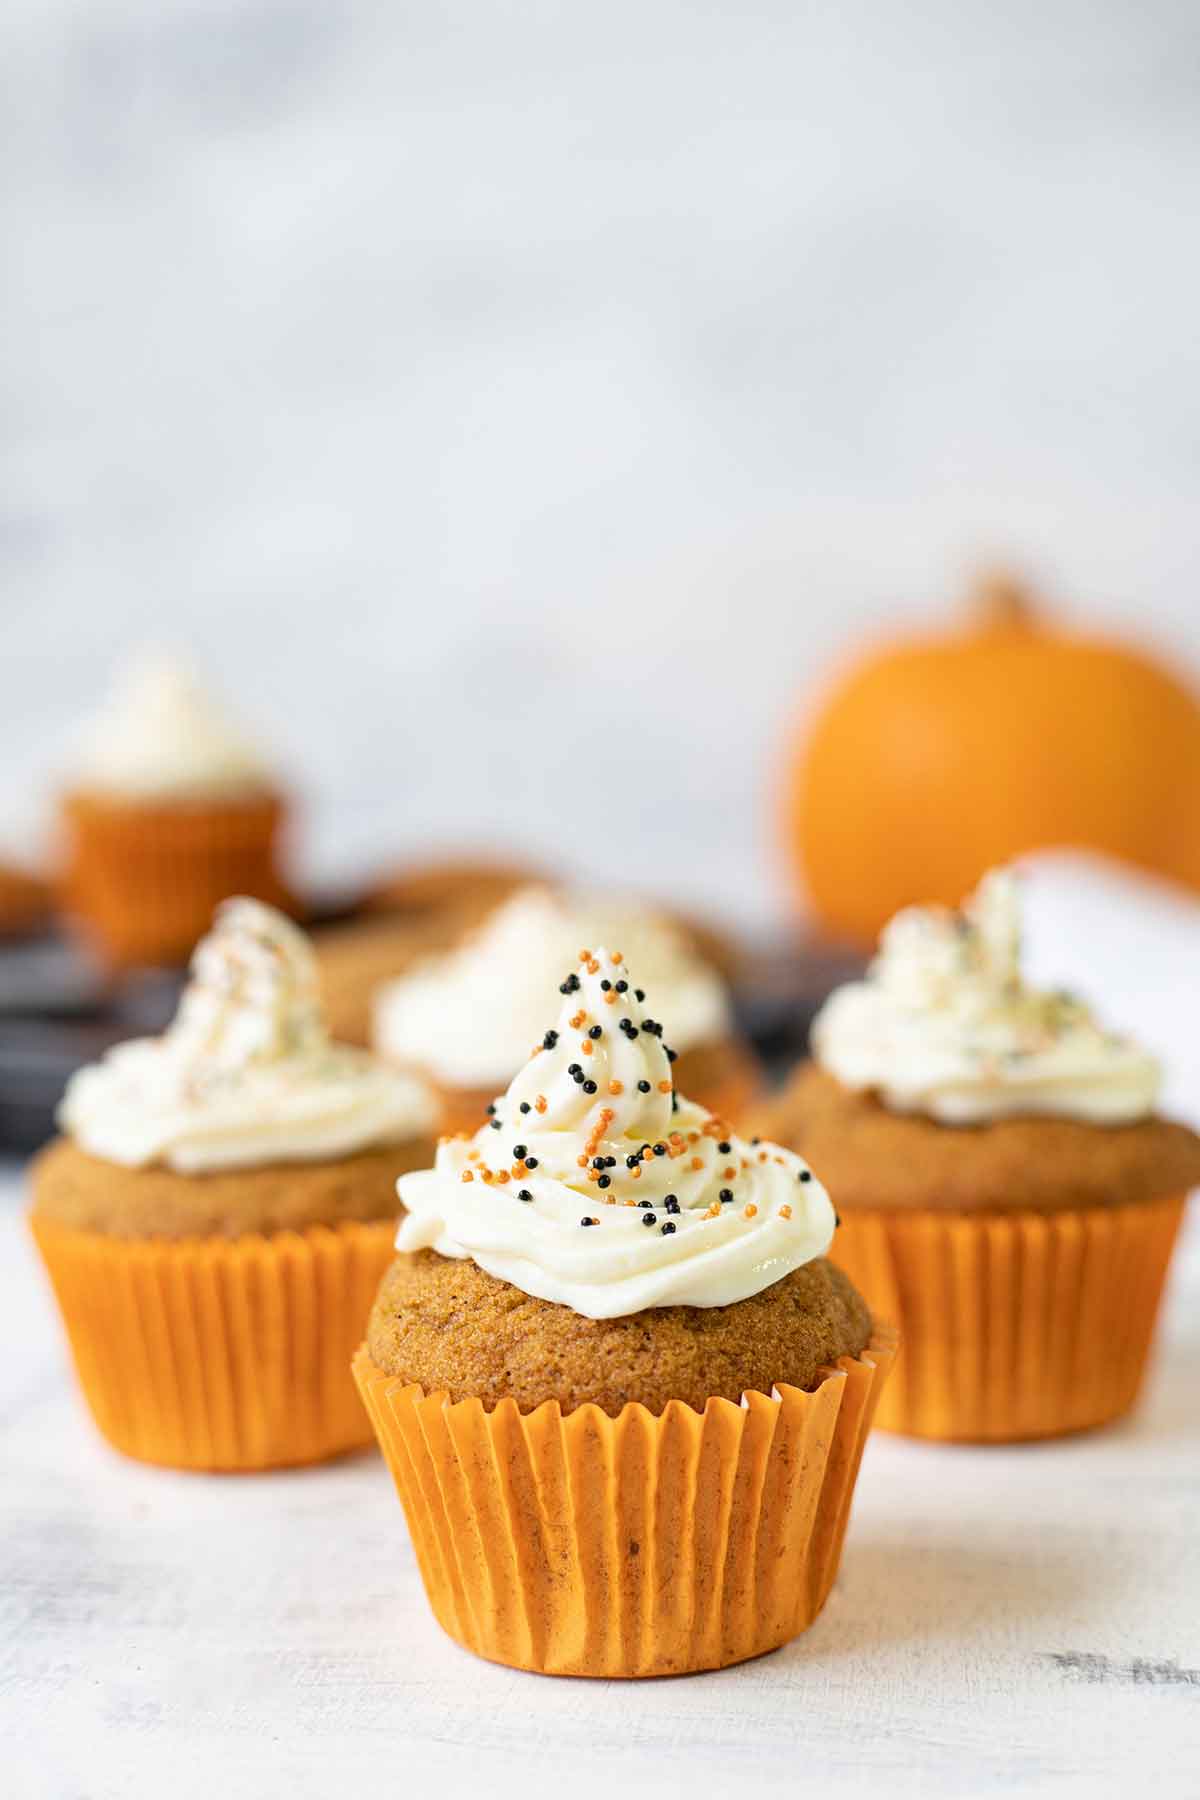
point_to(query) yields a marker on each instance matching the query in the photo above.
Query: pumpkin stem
(1001, 601)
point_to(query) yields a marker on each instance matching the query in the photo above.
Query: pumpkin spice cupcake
(219, 1210)
(1008, 1194)
(466, 1018)
(169, 810)
(621, 1391)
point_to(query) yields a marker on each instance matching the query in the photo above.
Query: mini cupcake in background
(169, 810)
(219, 1209)
(1008, 1194)
(468, 1017)
(622, 1393)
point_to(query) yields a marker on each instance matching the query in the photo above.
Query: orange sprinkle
(586, 1047)
(517, 1170)
(713, 1211)
(585, 956)
(745, 1164)
(615, 957)
(616, 1087)
(593, 967)
(486, 1175)
(674, 1137)
(729, 1173)
(468, 1175)
(610, 999)
(750, 1211)
(501, 1175)
(636, 1172)
(593, 1174)
(578, 1019)
(629, 1203)
(779, 1160)
(664, 1087)
(582, 1161)
(473, 1155)
(693, 1137)
(539, 1104)
(697, 1162)
(762, 1156)
(785, 1212)
(537, 1050)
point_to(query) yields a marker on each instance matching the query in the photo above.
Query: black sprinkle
(756, 1140)
(805, 1174)
(570, 985)
(574, 1069)
(671, 1203)
(496, 1126)
(519, 1151)
(491, 1107)
(531, 1162)
(589, 1221)
(604, 1181)
(649, 1219)
(670, 1054)
(660, 1149)
(667, 1229)
(724, 1149)
(589, 1087)
(596, 1031)
(726, 1195)
(606, 987)
(837, 1218)
(643, 1087)
(645, 1203)
(622, 987)
(638, 994)
(524, 1106)
(631, 1162)
(550, 1039)
(674, 1102)
(524, 1194)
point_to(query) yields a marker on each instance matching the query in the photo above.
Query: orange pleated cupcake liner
(215, 1353)
(143, 880)
(579, 1544)
(1014, 1325)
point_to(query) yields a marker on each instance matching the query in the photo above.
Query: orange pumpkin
(939, 756)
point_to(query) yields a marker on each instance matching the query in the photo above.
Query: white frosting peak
(246, 1073)
(594, 1185)
(469, 1014)
(159, 737)
(944, 1025)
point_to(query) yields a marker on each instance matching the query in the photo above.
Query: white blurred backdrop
(513, 408)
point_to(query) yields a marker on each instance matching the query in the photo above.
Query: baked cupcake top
(943, 1025)
(160, 738)
(468, 1015)
(595, 1185)
(246, 1074)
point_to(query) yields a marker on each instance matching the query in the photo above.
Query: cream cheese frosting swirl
(944, 1025)
(246, 1073)
(469, 1014)
(160, 737)
(593, 1184)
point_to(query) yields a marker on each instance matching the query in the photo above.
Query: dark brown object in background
(25, 901)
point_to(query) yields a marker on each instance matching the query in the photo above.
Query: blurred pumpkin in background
(938, 756)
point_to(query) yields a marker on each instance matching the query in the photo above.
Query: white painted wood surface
(1020, 1621)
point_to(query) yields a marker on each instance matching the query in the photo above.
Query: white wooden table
(1007, 1622)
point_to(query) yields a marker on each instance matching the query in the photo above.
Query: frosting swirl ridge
(595, 1185)
(246, 1073)
(160, 737)
(944, 1025)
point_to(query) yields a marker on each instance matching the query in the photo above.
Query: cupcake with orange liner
(621, 1391)
(1008, 1194)
(169, 810)
(218, 1212)
(467, 1017)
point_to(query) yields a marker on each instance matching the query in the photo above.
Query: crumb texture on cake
(85, 1193)
(869, 1156)
(451, 1326)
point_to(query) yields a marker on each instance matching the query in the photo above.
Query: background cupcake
(467, 1018)
(216, 1216)
(1007, 1191)
(621, 1391)
(169, 809)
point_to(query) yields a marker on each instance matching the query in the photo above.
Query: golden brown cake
(611, 1369)
(220, 1209)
